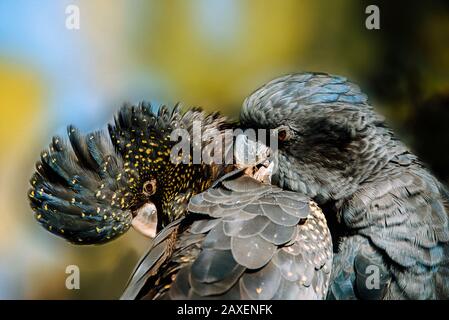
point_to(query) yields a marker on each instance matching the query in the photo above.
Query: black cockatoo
(387, 213)
(242, 238)
(95, 187)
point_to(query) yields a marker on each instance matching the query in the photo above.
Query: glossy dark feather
(87, 189)
(239, 253)
(74, 188)
(391, 213)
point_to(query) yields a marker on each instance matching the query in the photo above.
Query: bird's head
(158, 154)
(94, 188)
(329, 139)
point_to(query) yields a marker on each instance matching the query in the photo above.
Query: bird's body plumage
(243, 240)
(391, 212)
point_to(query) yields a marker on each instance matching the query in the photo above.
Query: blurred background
(209, 53)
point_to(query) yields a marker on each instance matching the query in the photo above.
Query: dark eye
(149, 187)
(284, 133)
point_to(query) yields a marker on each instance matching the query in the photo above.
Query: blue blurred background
(209, 53)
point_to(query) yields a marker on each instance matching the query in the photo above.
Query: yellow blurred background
(209, 53)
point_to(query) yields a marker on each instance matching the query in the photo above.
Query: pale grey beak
(145, 220)
(249, 153)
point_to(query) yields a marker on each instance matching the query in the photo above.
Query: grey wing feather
(258, 242)
(273, 253)
(146, 265)
(404, 228)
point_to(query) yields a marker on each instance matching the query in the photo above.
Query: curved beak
(255, 158)
(145, 220)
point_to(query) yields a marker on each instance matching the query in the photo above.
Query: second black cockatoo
(388, 214)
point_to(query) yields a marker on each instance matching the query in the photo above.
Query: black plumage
(391, 212)
(73, 187)
(240, 240)
(89, 189)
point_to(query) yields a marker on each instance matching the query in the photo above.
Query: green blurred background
(209, 53)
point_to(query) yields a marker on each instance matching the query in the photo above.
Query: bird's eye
(149, 187)
(284, 133)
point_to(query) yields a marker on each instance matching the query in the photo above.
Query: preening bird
(387, 213)
(95, 187)
(241, 238)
